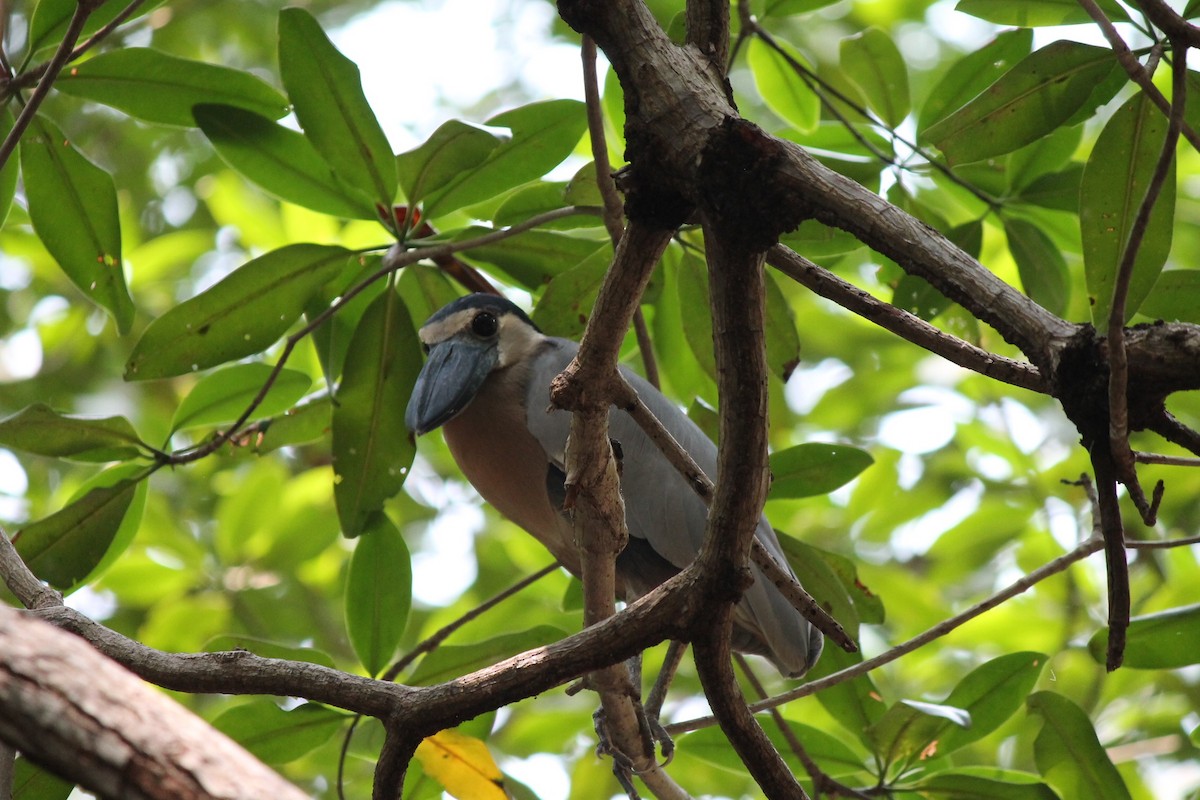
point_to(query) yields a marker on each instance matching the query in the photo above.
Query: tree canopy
(933, 266)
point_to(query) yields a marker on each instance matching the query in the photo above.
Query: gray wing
(663, 511)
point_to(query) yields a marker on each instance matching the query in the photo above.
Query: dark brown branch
(88, 719)
(736, 290)
(399, 744)
(1182, 33)
(79, 18)
(1113, 531)
(903, 324)
(708, 29)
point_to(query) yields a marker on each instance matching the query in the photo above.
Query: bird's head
(467, 340)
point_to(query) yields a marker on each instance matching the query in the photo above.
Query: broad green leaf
(1058, 190)
(454, 660)
(462, 765)
(545, 196)
(31, 782)
(822, 581)
(783, 8)
(1037, 13)
(66, 546)
(1047, 155)
(280, 160)
(856, 704)
(1164, 640)
(543, 134)
(781, 87)
(11, 168)
(873, 63)
(696, 317)
(1032, 99)
(990, 693)
(567, 303)
(918, 297)
(973, 73)
(815, 468)
(275, 736)
(1115, 180)
(378, 593)
(1191, 10)
(50, 19)
(535, 257)
(156, 87)
(300, 425)
(132, 520)
(326, 93)
(453, 149)
(1069, 755)
(906, 729)
(1041, 265)
(782, 340)
(42, 430)
(1175, 296)
(712, 746)
(966, 783)
(224, 395)
(372, 450)
(241, 315)
(73, 207)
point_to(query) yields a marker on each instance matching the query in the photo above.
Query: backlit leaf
(326, 93)
(378, 593)
(1032, 99)
(73, 207)
(781, 88)
(1164, 640)
(450, 151)
(975, 783)
(225, 394)
(990, 693)
(244, 313)
(50, 19)
(1115, 180)
(973, 73)
(873, 62)
(280, 160)
(1175, 296)
(1069, 755)
(157, 87)
(372, 450)
(276, 736)
(1036, 13)
(462, 765)
(42, 430)
(815, 468)
(1041, 265)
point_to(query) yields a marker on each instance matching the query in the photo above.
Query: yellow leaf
(462, 765)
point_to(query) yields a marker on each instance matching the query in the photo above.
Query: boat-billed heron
(487, 384)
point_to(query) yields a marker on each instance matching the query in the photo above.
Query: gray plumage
(491, 395)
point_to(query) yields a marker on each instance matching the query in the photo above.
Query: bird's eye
(485, 325)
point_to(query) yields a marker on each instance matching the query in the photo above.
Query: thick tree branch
(88, 719)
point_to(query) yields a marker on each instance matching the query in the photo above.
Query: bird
(486, 383)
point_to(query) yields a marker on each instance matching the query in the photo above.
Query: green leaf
(378, 593)
(280, 160)
(534, 258)
(815, 468)
(1175, 296)
(452, 661)
(783, 90)
(372, 450)
(156, 87)
(567, 303)
(782, 340)
(873, 63)
(243, 314)
(42, 430)
(1029, 101)
(856, 704)
(543, 134)
(11, 168)
(822, 581)
(1164, 640)
(712, 746)
(300, 425)
(31, 782)
(1037, 13)
(326, 92)
(974, 783)
(66, 546)
(973, 73)
(275, 736)
(225, 394)
(1115, 180)
(1069, 755)
(990, 693)
(1041, 265)
(50, 19)
(453, 149)
(697, 319)
(783, 8)
(73, 207)
(906, 729)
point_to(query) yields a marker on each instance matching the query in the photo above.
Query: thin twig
(29, 76)
(1118, 361)
(906, 325)
(83, 9)
(395, 259)
(21, 581)
(1161, 544)
(939, 630)
(1172, 461)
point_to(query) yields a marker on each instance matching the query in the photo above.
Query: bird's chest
(493, 447)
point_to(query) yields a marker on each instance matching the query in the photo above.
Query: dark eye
(484, 325)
